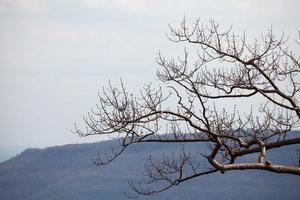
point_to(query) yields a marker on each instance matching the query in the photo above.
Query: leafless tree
(189, 106)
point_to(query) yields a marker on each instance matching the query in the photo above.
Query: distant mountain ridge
(66, 172)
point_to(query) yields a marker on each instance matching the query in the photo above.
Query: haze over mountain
(67, 172)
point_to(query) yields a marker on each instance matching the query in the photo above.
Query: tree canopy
(192, 105)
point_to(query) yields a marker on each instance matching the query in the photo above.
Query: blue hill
(67, 172)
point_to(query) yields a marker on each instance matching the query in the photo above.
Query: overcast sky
(55, 55)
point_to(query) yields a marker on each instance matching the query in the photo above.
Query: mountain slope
(66, 172)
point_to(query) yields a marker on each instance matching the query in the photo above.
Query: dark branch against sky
(56, 55)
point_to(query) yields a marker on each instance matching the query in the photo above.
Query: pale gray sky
(55, 55)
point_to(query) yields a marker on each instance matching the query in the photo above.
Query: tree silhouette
(190, 106)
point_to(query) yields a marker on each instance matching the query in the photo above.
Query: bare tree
(189, 106)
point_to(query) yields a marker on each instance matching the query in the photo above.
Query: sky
(55, 55)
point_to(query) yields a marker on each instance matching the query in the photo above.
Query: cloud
(129, 5)
(23, 5)
(71, 5)
(58, 49)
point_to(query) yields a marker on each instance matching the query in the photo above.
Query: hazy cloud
(55, 55)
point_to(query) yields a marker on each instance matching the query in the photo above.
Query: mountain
(67, 172)
(7, 151)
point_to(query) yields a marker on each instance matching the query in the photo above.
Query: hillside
(67, 172)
